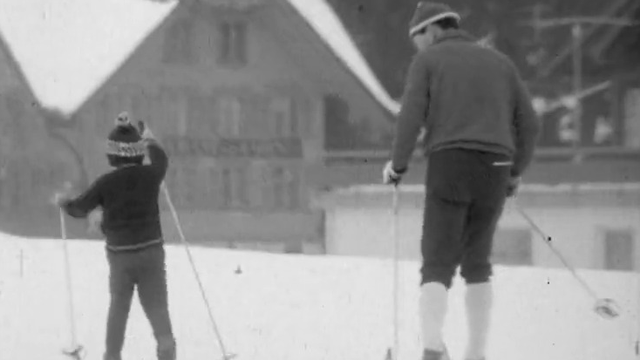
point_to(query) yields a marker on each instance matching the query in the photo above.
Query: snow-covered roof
(68, 48)
(323, 19)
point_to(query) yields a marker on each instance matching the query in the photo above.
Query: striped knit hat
(125, 141)
(428, 13)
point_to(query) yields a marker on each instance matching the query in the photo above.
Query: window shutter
(619, 250)
(240, 42)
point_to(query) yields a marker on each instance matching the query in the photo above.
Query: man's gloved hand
(513, 185)
(391, 176)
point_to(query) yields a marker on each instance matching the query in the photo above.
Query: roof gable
(82, 51)
(326, 23)
(11, 75)
(67, 49)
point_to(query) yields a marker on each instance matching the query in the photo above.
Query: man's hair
(447, 23)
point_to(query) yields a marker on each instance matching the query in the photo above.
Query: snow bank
(302, 307)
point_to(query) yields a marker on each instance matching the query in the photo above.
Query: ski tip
(76, 353)
(229, 356)
(607, 309)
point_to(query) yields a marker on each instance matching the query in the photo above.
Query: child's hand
(145, 133)
(60, 198)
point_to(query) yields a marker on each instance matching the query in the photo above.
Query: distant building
(594, 226)
(247, 96)
(264, 104)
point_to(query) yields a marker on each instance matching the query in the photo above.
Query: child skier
(128, 198)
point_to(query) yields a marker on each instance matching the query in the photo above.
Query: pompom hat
(428, 13)
(125, 140)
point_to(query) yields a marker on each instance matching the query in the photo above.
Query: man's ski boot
(111, 357)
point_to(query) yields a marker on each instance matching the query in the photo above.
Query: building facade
(242, 95)
(592, 226)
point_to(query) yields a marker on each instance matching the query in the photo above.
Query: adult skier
(481, 131)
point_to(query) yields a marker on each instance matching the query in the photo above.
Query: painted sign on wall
(233, 148)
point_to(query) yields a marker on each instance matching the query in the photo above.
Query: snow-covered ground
(290, 307)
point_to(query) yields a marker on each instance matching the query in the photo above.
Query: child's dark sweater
(129, 199)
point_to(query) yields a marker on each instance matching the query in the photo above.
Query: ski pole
(214, 325)
(393, 352)
(606, 308)
(75, 350)
(176, 219)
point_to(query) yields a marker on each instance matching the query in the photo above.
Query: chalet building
(266, 106)
(33, 163)
(246, 97)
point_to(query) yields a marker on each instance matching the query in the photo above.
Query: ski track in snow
(298, 307)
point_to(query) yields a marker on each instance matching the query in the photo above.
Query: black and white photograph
(319, 180)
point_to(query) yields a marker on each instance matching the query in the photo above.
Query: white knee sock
(479, 299)
(433, 309)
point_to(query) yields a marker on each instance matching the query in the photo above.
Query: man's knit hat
(125, 140)
(428, 13)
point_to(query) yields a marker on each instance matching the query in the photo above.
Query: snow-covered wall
(359, 221)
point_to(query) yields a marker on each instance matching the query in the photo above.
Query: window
(282, 117)
(171, 110)
(512, 247)
(185, 186)
(619, 250)
(234, 188)
(597, 119)
(202, 188)
(599, 127)
(229, 117)
(227, 188)
(278, 184)
(233, 43)
(632, 118)
(285, 188)
(338, 130)
(201, 115)
(212, 184)
(178, 43)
